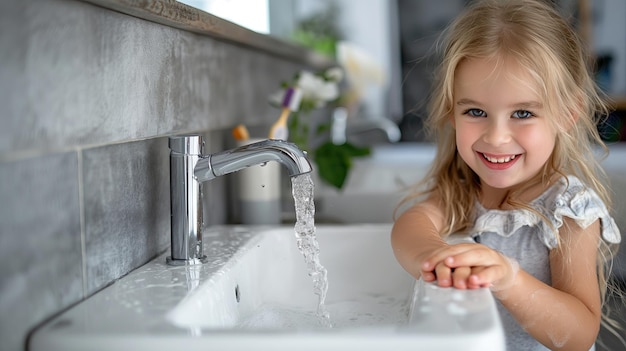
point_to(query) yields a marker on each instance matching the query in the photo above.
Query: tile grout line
(81, 209)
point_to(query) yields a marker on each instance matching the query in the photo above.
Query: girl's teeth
(499, 160)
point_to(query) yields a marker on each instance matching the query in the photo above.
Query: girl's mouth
(498, 162)
(501, 159)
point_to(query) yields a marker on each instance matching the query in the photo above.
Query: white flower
(334, 74)
(316, 90)
(361, 68)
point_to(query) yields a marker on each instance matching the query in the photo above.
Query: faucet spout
(189, 168)
(225, 162)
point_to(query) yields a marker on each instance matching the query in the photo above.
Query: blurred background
(399, 37)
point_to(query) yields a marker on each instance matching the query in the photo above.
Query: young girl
(515, 113)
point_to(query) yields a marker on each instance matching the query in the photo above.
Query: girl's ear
(567, 123)
(572, 116)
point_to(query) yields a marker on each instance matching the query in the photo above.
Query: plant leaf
(335, 161)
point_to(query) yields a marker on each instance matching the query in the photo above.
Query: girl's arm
(565, 315)
(415, 235)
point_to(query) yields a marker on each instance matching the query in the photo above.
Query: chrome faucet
(189, 168)
(341, 128)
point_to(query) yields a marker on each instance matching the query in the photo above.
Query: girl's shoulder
(567, 197)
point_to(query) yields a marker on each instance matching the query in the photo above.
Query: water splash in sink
(302, 189)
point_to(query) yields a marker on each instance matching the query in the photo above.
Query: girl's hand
(469, 266)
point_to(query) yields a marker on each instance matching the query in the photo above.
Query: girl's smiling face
(502, 131)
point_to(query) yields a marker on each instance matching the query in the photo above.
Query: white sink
(255, 294)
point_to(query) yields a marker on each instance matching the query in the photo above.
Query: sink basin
(268, 288)
(254, 293)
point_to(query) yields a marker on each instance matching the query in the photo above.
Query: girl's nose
(497, 133)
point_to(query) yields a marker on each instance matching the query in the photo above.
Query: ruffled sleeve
(584, 206)
(569, 197)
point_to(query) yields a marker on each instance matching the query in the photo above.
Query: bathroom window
(251, 14)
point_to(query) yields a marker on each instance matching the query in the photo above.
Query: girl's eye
(474, 112)
(522, 114)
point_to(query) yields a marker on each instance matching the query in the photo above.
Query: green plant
(333, 161)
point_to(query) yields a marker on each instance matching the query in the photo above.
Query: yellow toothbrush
(291, 102)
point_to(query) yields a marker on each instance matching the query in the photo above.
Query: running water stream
(302, 189)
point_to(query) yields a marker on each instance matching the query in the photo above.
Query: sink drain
(237, 293)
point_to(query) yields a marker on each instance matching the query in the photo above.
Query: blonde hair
(536, 36)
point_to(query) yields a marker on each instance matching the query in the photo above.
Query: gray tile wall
(88, 97)
(126, 207)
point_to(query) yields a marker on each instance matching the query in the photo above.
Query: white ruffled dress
(526, 237)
